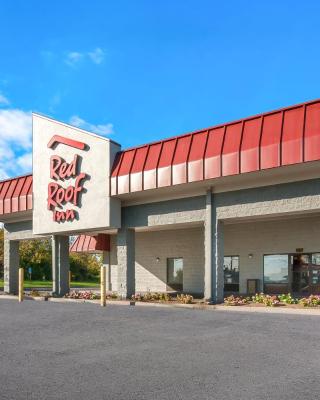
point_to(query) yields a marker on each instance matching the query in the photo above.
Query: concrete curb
(12, 297)
(204, 307)
(270, 310)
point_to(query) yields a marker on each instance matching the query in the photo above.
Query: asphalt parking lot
(83, 351)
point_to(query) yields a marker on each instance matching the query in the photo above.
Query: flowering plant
(271, 301)
(185, 298)
(149, 296)
(311, 301)
(83, 295)
(235, 300)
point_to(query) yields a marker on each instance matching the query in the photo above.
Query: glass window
(175, 272)
(231, 273)
(316, 258)
(315, 269)
(276, 268)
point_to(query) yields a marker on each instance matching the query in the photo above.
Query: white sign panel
(71, 175)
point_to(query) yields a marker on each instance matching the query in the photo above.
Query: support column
(214, 253)
(11, 265)
(126, 262)
(106, 264)
(60, 265)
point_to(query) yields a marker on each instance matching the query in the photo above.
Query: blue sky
(139, 71)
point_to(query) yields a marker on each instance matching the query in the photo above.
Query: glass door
(305, 273)
(300, 273)
(315, 273)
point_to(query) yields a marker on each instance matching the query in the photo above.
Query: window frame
(231, 287)
(171, 285)
(288, 265)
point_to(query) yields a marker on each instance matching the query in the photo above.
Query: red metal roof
(93, 244)
(274, 139)
(287, 136)
(16, 195)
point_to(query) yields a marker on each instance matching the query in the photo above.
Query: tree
(85, 266)
(37, 255)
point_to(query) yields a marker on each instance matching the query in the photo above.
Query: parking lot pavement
(82, 351)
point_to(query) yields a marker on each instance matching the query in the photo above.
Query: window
(231, 273)
(315, 269)
(276, 269)
(175, 273)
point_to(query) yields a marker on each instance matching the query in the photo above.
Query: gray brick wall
(269, 237)
(152, 275)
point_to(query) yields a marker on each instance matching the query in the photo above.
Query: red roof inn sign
(61, 171)
(71, 170)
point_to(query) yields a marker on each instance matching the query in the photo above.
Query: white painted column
(60, 264)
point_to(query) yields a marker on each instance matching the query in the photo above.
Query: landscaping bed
(153, 297)
(265, 300)
(258, 300)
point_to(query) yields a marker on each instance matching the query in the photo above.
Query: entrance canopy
(91, 244)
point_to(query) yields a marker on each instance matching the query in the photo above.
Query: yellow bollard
(21, 284)
(103, 286)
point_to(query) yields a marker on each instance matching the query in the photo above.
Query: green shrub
(267, 300)
(287, 299)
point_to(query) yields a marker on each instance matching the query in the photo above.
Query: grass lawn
(48, 284)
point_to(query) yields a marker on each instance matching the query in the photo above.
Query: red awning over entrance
(92, 244)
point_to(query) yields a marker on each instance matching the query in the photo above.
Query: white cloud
(15, 142)
(97, 55)
(25, 162)
(73, 58)
(3, 100)
(100, 129)
(15, 127)
(3, 174)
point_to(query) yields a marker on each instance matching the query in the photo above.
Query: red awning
(16, 195)
(91, 244)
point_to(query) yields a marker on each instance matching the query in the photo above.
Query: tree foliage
(37, 255)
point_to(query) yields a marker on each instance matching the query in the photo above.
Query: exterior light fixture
(250, 255)
(158, 259)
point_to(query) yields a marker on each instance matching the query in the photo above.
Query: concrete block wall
(152, 274)
(242, 239)
(269, 237)
(113, 264)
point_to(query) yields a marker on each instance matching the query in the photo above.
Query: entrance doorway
(305, 273)
(297, 273)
